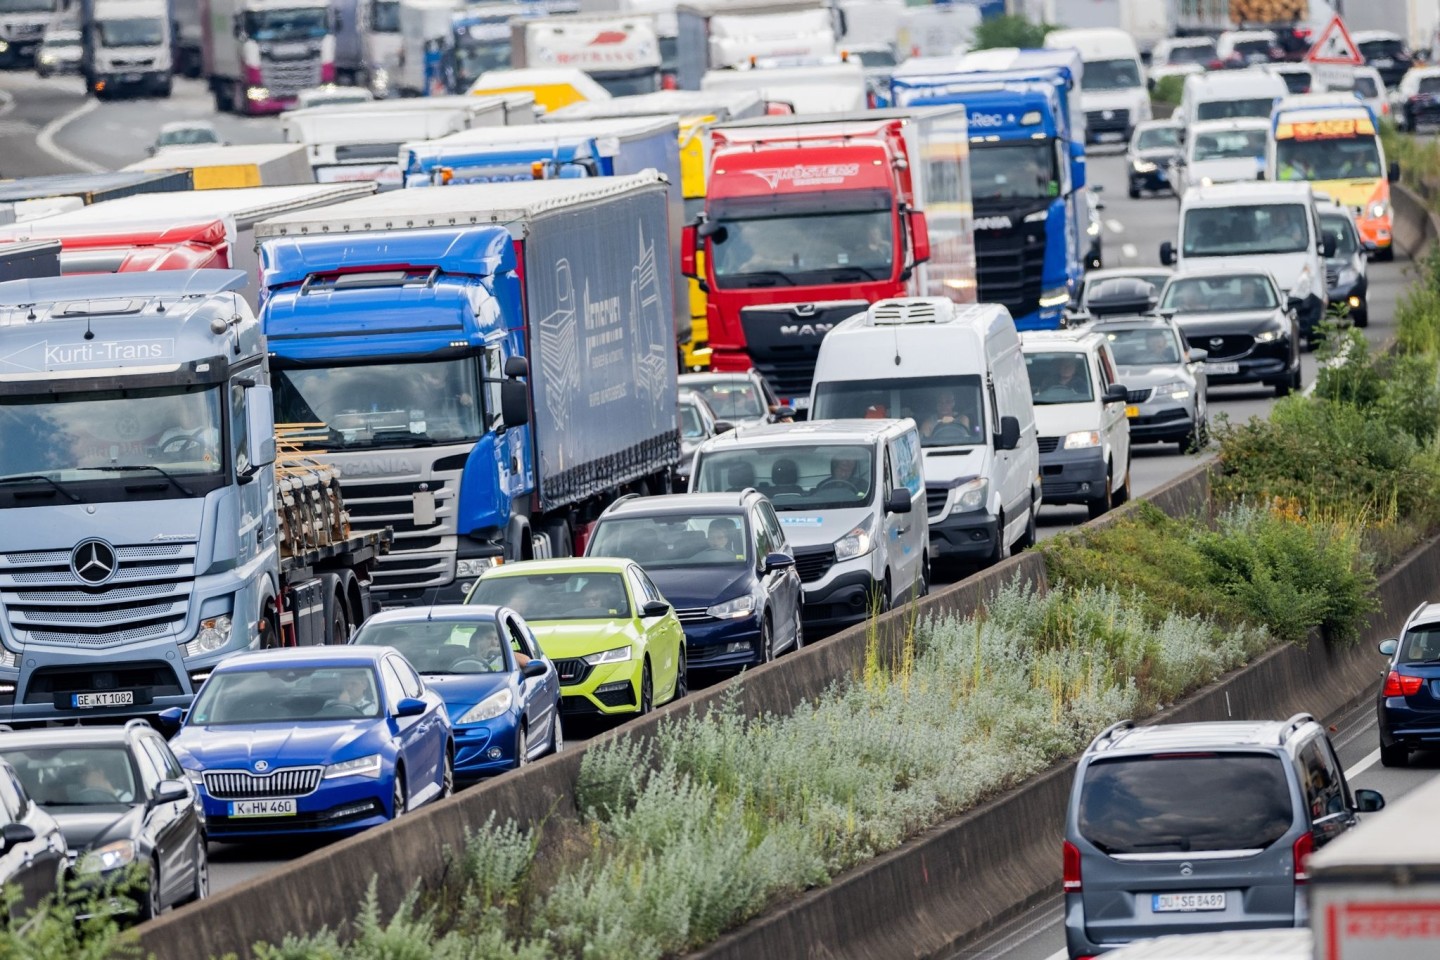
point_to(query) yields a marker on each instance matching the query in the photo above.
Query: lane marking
(1059, 954)
(1365, 763)
(7, 102)
(1130, 251)
(46, 139)
(1115, 226)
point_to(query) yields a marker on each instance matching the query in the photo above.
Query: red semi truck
(808, 220)
(187, 245)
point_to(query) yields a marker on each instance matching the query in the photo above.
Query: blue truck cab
(1027, 179)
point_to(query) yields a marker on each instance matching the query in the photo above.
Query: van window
(1227, 145)
(803, 477)
(905, 463)
(1233, 109)
(1185, 803)
(948, 409)
(1245, 229)
(1110, 75)
(1320, 779)
(1061, 376)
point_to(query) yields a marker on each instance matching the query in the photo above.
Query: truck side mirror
(517, 367)
(514, 403)
(1167, 253)
(919, 236)
(1009, 437)
(689, 243)
(1078, 166)
(259, 426)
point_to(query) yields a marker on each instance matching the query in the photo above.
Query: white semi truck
(259, 54)
(621, 53)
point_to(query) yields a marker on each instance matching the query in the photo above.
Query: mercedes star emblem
(93, 562)
(261, 766)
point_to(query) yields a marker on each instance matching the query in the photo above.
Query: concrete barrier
(1414, 225)
(323, 888)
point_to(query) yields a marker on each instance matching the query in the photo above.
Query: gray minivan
(1199, 827)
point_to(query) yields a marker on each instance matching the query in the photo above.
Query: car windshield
(85, 436)
(1018, 170)
(826, 475)
(730, 399)
(385, 16)
(1110, 75)
(1219, 294)
(949, 409)
(79, 776)
(1381, 49)
(541, 597)
(1144, 347)
(1227, 145)
(1059, 376)
(1155, 138)
(384, 404)
(1201, 53)
(1253, 48)
(187, 135)
(1185, 804)
(1247, 229)
(1234, 109)
(306, 23)
(1329, 158)
(286, 695)
(137, 32)
(440, 646)
(782, 250)
(1341, 228)
(656, 543)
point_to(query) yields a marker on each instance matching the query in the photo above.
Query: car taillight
(1215, 65)
(1304, 846)
(1398, 684)
(1072, 868)
(668, 81)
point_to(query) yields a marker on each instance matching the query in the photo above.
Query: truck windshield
(140, 32)
(1254, 228)
(803, 477)
(84, 436)
(27, 6)
(1110, 75)
(381, 404)
(948, 409)
(1330, 158)
(474, 57)
(630, 83)
(802, 249)
(1020, 170)
(385, 16)
(304, 23)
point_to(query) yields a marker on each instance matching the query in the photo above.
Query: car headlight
(474, 567)
(359, 767)
(491, 707)
(47, 58)
(735, 609)
(1143, 166)
(616, 655)
(4, 46)
(112, 856)
(856, 543)
(1082, 439)
(1379, 209)
(1347, 277)
(1174, 389)
(196, 777)
(214, 633)
(972, 495)
(1270, 335)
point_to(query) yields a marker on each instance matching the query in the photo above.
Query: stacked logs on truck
(1268, 11)
(311, 510)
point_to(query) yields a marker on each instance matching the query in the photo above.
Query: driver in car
(1067, 376)
(946, 415)
(354, 693)
(845, 472)
(95, 787)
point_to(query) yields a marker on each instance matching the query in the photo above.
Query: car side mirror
(1293, 303)
(777, 561)
(1009, 437)
(535, 668)
(410, 707)
(13, 833)
(1388, 647)
(1393, 174)
(1327, 247)
(899, 501)
(654, 608)
(1369, 801)
(514, 403)
(1167, 253)
(172, 717)
(723, 426)
(1197, 355)
(170, 791)
(1116, 393)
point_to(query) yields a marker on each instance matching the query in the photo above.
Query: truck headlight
(473, 567)
(4, 46)
(112, 856)
(359, 767)
(214, 634)
(1303, 285)
(615, 655)
(1057, 297)
(735, 609)
(47, 58)
(489, 708)
(856, 543)
(257, 93)
(972, 496)
(1081, 440)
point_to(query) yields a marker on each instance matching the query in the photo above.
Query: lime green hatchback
(616, 642)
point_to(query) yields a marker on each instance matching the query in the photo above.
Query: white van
(1222, 151)
(1228, 94)
(1112, 89)
(851, 496)
(1271, 225)
(957, 371)
(1080, 413)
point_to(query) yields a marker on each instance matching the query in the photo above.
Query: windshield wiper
(136, 467)
(41, 477)
(866, 272)
(748, 275)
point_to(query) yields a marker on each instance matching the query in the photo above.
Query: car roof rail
(618, 500)
(1109, 732)
(1293, 724)
(137, 723)
(1416, 612)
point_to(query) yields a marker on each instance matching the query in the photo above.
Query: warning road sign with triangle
(1335, 46)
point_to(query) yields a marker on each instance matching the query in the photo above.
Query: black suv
(120, 797)
(722, 560)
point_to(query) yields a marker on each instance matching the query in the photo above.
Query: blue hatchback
(314, 740)
(501, 691)
(1408, 705)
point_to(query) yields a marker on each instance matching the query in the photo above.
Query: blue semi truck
(399, 324)
(1028, 170)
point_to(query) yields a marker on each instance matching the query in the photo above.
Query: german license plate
(800, 403)
(134, 77)
(1186, 902)
(111, 698)
(1222, 368)
(1132, 411)
(263, 808)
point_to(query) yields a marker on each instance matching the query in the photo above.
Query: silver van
(851, 497)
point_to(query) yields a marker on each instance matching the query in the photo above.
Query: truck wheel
(339, 631)
(222, 96)
(517, 540)
(561, 543)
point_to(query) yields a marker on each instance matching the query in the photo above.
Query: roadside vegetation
(1010, 30)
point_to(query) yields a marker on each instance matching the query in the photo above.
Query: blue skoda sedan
(501, 691)
(314, 740)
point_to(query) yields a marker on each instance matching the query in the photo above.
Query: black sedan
(1154, 146)
(32, 849)
(120, 797)
(1345, 272)
(1241, 320)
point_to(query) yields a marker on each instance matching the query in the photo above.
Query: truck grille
(783, 340)
(146, 597)
(420, 556)
(1010, 266)
(289, 78)
(243, 785)
(935, 500)
(812, 563)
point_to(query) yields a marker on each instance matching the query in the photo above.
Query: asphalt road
(51, 127)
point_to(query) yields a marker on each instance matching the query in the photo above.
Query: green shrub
(1168, 90)
(1010, 31)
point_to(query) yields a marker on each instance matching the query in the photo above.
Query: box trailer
(236, 165)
